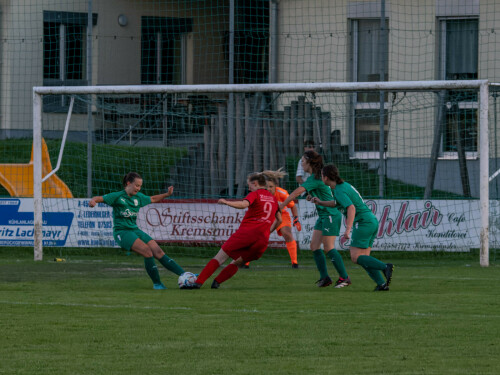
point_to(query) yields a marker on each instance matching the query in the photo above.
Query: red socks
(208, 271)
(226, 273)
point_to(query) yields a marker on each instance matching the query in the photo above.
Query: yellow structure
(17, 179)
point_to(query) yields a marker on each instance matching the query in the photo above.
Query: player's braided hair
(315, 160)
(259, 177)
(275, 176)
(332, 172)
(130, 177)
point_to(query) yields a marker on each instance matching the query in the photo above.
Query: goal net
(417, 152)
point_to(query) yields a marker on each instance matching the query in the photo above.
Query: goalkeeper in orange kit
(285, 228)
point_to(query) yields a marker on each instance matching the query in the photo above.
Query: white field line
(251, 311)
(94, 305)
(458, 278)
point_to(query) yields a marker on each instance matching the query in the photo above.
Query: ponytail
(315, 160)
(332, 172)
(274, 176)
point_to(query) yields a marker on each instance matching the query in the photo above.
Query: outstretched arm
(160, 197)
(235, 204)
(293, 195)
(93, 202)
(316, 200)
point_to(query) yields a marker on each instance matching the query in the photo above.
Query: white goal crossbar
(481, 85)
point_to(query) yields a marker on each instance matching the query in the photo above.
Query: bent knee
(145, 252)
(157, 252)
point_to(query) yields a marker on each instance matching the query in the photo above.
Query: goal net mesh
(205, 145)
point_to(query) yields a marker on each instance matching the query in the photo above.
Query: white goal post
(482, 86)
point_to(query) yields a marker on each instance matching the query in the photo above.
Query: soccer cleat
(246, 266)
(295, 265)
(388, 272)
(195, 286)
(215, 285)
(381, 288)
(325, 281)
(341, 283)
(159, 286)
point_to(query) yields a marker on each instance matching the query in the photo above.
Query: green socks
(335, 257)
(338, 263)
(152, 270)
(168, 263)
(319, 258)
(372, 266)
(171, 265)
(371, 262)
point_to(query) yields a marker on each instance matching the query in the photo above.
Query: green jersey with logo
(345, 195)
(125, 208)
(317, 188)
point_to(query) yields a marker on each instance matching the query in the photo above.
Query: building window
(163, 62)
(369, 58)
(64, 51)
(459, 61)
(251, 42)
(164, 50)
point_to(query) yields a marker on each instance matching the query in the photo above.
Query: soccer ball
(186, 280)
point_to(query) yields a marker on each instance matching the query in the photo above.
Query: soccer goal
(418, 153)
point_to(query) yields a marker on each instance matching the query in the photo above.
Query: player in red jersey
(285, 228)
(250, 241)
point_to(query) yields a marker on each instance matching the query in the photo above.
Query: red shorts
(248, 245)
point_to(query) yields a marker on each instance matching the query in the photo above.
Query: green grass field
(99, 315)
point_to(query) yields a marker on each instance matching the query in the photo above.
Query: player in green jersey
(327, 226)
(126, 205)
(361, 221)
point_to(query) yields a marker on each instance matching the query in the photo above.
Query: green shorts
(126, 238)
(364, 233)
(329, 225)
